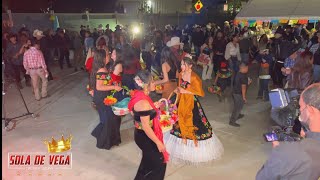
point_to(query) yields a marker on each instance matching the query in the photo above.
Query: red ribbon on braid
(138, 96)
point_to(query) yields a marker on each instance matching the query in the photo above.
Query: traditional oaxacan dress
(224, 80)
(107, 132)
(153, 163)
(193, 128)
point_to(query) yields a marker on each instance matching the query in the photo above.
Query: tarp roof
(280, 9)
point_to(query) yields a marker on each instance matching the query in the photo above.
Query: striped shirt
(33, 58)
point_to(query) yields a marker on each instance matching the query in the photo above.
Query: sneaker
(240, 116)
(234, 124)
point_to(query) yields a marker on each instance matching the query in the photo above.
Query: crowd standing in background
(287, 56)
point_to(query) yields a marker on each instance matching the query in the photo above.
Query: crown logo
(59, 146)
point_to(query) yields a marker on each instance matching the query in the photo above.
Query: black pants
(237, 107)
(151, 166)
(216, 62)
(147, 58)
(7, 69)
(18, 69)
(64, 54)
(264, 88)
(48, 60)
(277, 75)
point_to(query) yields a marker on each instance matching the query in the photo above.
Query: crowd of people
(168, 53)
(113, 59)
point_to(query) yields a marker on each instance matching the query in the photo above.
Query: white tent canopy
(280, 9)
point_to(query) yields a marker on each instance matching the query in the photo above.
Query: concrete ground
(68, 111)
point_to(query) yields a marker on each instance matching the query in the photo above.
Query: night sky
(70, 6)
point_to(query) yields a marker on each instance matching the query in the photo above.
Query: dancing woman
(131, 66)
(191, 140)
(107, 132)
(147, 135)
(117, 67)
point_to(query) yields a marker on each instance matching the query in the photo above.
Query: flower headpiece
(223, 65)
(139, 82)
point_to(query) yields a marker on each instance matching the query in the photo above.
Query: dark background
(60, 6)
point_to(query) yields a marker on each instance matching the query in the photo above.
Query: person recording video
(301, 159)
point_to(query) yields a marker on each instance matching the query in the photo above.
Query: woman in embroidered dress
(223, 80)
(147, 135)
(191, 140)
(107, 132)
(116, 75)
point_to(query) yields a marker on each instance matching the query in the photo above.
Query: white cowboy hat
(37, 33)
(174, 41)
(168, 27)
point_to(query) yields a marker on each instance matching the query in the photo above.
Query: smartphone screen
(271, 137)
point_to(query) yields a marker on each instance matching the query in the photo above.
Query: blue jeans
(234, 64)
(264, 89)
(245, 57)
(316, 73)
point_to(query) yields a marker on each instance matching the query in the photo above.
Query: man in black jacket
(14, 57)
(198, 40)
(39, 37)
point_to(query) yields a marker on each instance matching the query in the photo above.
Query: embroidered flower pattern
(184, 84)
(138, 124)
(224, 75)
(176, 131)
(106, 79)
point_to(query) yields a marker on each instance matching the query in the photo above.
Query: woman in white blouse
(232, 54)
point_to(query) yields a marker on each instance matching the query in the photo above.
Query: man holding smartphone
(34, 63)
(301, 159)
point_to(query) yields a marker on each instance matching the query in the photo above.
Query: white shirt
(232, 50)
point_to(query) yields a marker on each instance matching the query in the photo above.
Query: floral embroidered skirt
(209, 147)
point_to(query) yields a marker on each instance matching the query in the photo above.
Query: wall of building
(163, 6)
(130, 6)
(73, 21)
